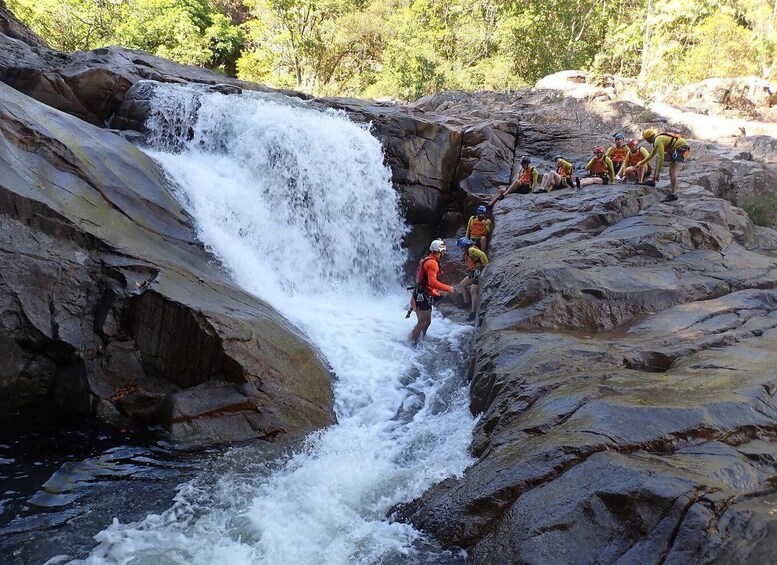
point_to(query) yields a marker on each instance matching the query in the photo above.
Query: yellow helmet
(648, 133)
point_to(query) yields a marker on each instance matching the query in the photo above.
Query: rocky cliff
(110, 306)
(623, 365)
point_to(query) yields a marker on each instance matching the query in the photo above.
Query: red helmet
(632, 144)
(598, 149)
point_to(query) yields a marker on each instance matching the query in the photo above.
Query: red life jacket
(478, 227)
(471, 265)
(526, 175)
(618, 154)
(564, 171)
(635, 157)
(599, 167)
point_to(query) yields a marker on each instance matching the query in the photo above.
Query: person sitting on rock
(631, 168)
(558, 179)
(600, 167)
(479, 228)
(524, 184)
(617, 153)
(475, 260)
(428, 289)
(673, 148)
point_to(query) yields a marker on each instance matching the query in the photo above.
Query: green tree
(188, 31)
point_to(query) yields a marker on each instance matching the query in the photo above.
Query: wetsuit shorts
(422, 300)
(679, 155)
(474, 276)
(565, 182)
(617, 166)
(523, 188)
(605, 178)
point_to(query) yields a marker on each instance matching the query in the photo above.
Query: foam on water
(299, 207)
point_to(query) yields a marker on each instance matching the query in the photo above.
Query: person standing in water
(428, 289)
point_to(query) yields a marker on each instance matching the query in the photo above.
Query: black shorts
(523, 188)
(565, 182)
(422, 300)
(616, 166)
(474, 276)
(679, 155)
(605, 178)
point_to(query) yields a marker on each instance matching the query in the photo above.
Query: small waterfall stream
(299, 207)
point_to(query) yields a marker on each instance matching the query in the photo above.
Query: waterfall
(298, 206)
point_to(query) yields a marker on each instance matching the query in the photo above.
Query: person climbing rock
(667, 146)
(632, 168)
(524, 184)
(475, 260)
(558, 179)
(617, 153)
(600, 167)
(428, 289)
(479, 228)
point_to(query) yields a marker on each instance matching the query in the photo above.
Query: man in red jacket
(428, 289)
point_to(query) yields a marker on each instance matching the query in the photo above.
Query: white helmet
(437, 245)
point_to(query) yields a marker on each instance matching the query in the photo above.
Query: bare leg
(554, 180)
(546, 178)
(423, 323)
(498, 196)
(590, 180)
(483, 243)
(462, 287)
(674, 168)
(473, 293)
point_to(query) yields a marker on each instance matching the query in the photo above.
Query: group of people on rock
(622, 160)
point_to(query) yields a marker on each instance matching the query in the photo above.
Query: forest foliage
(410, 48)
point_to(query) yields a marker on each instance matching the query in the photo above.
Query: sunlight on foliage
(410, 48)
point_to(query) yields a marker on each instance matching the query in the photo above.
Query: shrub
(762, 208)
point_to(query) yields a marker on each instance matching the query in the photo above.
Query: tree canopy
(411, 48)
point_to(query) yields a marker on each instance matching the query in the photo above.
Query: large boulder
(111, 307)
(623, 370)
(741, 97)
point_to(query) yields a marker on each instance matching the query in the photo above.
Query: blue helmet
(620, 136)
(481, 209)
(464, 241)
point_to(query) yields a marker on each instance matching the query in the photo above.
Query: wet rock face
(110, 307)
(624, 370)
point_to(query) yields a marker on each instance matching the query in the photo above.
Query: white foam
(299, 207)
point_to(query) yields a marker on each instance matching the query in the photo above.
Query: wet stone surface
(625, 372)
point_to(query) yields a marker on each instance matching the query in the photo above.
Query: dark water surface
(61, 484)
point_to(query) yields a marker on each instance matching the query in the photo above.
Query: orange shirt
(431, 268)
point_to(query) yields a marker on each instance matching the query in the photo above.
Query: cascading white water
(299, 207)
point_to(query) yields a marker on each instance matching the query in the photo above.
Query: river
(298, 207)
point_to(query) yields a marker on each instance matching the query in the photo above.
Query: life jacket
(635, 157)
(599, 167)
(618, 154)
(564, 170)
(471, 263)
(526, 175)
(421, 282)
(675, 138)
(478, 228)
